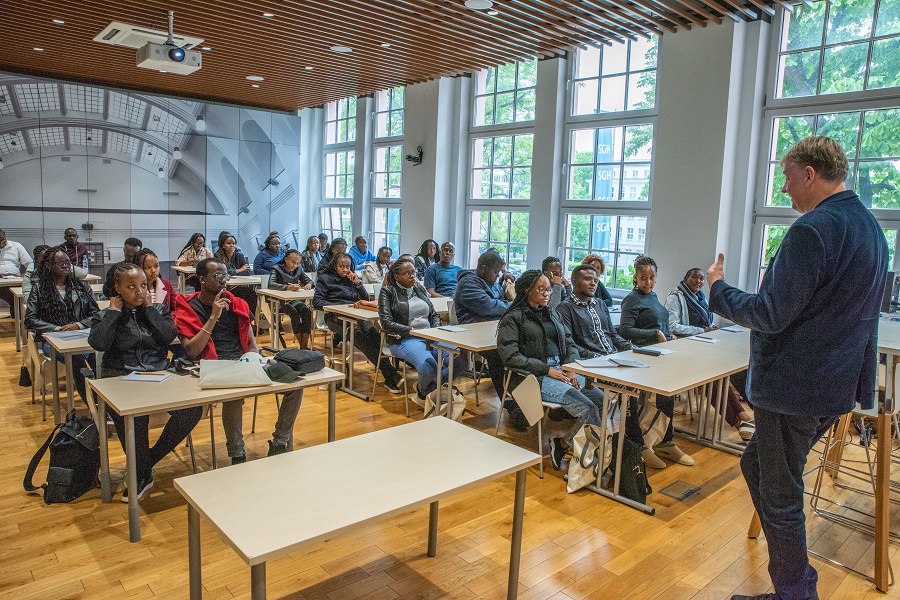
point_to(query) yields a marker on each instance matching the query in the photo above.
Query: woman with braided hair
(59, 302)
(532, 338)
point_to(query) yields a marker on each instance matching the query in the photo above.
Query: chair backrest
(528, 396)
(320, 319)
(35, 360)
(451, 308)
(313, 275)
(264, 281)
(376, 288)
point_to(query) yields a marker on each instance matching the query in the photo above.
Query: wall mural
(116, 164)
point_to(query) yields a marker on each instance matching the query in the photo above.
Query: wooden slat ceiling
(428, 39)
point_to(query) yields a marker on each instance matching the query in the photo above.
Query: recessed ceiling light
(206, 48)
(254, 85)
(308, 68)
(479, 4)
(385, 45)
(341, 49)
(255, 78)
(38, 49)
(268, 15)
(161, 71)
(58, 22)
(493, 13)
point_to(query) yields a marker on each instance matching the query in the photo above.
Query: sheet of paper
(72, 335)
(528, 396)
(616, 308)
(700, 338)
(629, 363)
(733, 329)
(452, 328)
(600, 361)
(147, 376)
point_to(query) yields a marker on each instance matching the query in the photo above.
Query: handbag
(451, 398)
(302, 361)
(74, 460)
(653, 424)
(586, 463)
(633, 483)
(244, 372)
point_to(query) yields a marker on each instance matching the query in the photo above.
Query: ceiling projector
(172, 59)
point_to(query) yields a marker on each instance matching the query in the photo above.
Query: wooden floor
(575, 546)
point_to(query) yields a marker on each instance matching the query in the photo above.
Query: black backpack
(633, 483)
(74, 460)
(302, 361)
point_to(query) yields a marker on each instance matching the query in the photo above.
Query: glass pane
(394, 185)
(381, 124)
(582, 149)
(606, 186)
(776, 183)
(578, 229)
(888, 18)
(878, 184)
(521, 187)
(612, 94)
(884, 70)
(524, 150)
(890, 236)
(518, 233)
(804, 26)
(615, 59)
(396, 156)
(572, 258)
(788, 131)
(397, 98)
(482, 152)
(643, 54)
(603, 232)
(844, 68)
(525, 105)
(798, 74)
(628, 238)
(500, 183)
(506, 77)
(484, 81)
(638, 176)
(842, 127)
(504, 107)
(849, 20)
(773, 235)
(484, 110)
(499, 227)
(587, 63)
(609, 144)
(481, 183)
(381, 185)
(638, 142)
(396, 126)
(502, 151)
(580, 179)
(586, 97)
(879, 139)
(642, 90)
(527, 74)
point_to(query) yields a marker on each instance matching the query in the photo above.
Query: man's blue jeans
(773, 468)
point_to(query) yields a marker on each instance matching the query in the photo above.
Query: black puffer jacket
(48, 314)
(332, 289)
(280, 277)
(393, 309)
(523, 346)
(133, 340)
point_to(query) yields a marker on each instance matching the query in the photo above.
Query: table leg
(194, 563)
(332, 408)
(350, 324)
(440, 370)
(17, 315)
(276, 326)
(134, 510)
(181, 283)
(515, 550)
(349, 361)
(258, 582)
(882, 502)
(100, 420)
(54, 362)
(70, 381)
(432, 528)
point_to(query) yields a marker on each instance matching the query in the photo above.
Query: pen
(150, 373)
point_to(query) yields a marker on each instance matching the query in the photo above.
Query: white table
(135, 398)
(349, 316)
(305, 503)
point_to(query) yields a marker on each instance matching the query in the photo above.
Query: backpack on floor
(74, 460)
(633, 483)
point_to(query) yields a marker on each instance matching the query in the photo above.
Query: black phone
(650, 351)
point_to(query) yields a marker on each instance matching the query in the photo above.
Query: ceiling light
(493, 13)
(385, 45)
(341, 49)
(201, 124)
(176, 154)
(161, 174)
(254, 85)
(38, 49)
(58, 22)
(479, 4)
(206, 48)
(161, 71)
(268, 15)
(308, 68)
(255, 78)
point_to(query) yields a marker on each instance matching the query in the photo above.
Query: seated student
(323, 243)
(14, 262)
(477, 299)
(340, 285)
(337, 246)
(533, 338)
(288, 275)
(310, 257)
(237, 264)
(645, 322)
(600, 265)
(59, 302)
(75, 250)
(134, 334)
(403, 306)
(215, 324)
(689, 314)
(30, 276)
(269, 255)
(160, 290)
(360, 253)
(587, 317)
(193, 252)
(376, 270)
(427, 256)
(562, 289)
(130, 249)
(440, 277)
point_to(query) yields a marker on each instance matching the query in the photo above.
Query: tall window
(502, 167)
(340, 121)
(339, 165)
(386, 228)
(389, 112)
(505, 94)
(387, 170)
(609, 166)
(835, 71)
(336, 222)
(505, 231)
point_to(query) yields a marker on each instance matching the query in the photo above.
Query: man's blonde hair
(823, 154)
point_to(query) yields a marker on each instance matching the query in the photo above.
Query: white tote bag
(245, 372)
(586, 463)
(452, 398)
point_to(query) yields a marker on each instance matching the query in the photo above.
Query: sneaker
(674, 453)
(746, 430)
(143, 486)
(651, 460)
(557, 453)
(517, 418)
(238, 460)
(418, 398)
(276, 448)
(395, 386)
(764, 597)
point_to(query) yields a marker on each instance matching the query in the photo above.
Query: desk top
(477, 337)
(270, 507)
(347, 310)
(183, 391)
(186, 269)
(736, 341)
(10, 282)
(244, 280)
(285, 295)
(17, 292)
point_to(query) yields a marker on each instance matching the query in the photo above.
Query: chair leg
(500, 410)
(253, 423)
(405, 388)
(212, 435)
(277, 403)
(190, 443)
(541, 449)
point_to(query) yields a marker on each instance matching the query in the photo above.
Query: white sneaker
(746, 430)
(674, 453)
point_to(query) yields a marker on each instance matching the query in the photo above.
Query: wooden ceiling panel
(428, 39)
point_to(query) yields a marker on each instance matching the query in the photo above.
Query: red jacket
(189, 324)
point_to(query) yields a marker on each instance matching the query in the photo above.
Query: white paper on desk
(708, 340)
(452, 328)
(71, 335)
(593, 363)
(733, 329)
(615, 309)
(155, 376)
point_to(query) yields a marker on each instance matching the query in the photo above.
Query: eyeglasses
(545, 291)
(63, 264)
(221, 276)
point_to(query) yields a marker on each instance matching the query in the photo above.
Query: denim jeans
(773, 468)
(584, 405)
(79, 361)
(415, 351)
(232, 422)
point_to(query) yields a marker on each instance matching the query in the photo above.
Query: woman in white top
(193, 252)
(376, 270)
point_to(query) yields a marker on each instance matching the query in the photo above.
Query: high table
(135, 398)
(305, 503)
(275, 298)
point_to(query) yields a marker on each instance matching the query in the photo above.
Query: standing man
(813, 347)
(14, 261)
(76, 251)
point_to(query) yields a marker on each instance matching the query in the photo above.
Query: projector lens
(176, 54)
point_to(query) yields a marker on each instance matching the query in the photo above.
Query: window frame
(514, 124)
(471, 259)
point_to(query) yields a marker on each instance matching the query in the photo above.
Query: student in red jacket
(215, 324)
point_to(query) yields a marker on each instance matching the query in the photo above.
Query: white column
(362, 169)
(312, 136)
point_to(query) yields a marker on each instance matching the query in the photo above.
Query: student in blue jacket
(269, 256)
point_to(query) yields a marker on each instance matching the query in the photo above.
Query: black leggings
(368, 341)
(179, 425)
(300, 315)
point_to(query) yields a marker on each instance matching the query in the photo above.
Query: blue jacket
(264, 261)
(359, 258)
(476, 301)
(814, 322)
